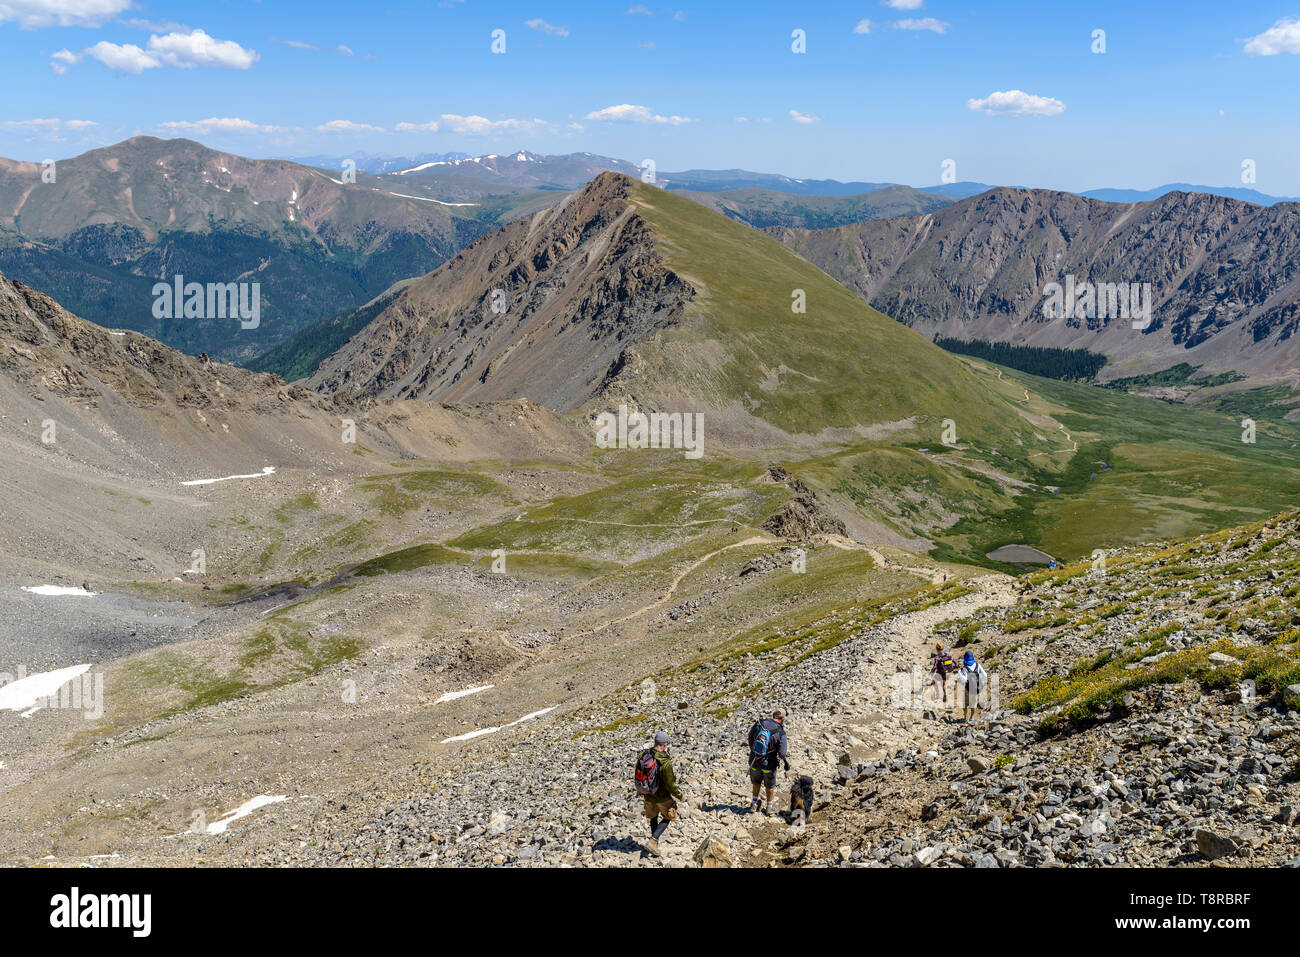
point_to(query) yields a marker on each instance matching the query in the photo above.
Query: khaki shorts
(660, 807)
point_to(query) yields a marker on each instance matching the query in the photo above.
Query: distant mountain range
(706, 180)
(1223, 276)
(107, 225)
(1142, 195)
(370, 163)
(324, 241)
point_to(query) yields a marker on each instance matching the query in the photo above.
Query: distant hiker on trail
(972, 679)
(657, 785)
(767, 747)
(941, 666)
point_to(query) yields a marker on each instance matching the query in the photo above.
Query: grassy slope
(1174, 471)
(851, 364)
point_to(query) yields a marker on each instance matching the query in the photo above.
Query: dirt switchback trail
(933, 575)
(672, 589)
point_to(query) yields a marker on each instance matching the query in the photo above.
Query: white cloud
(640, 10)
(1016, 103)
(304, 45)
(903, 4)
(30, 14)
(183, 50)
(124, 57)
(864, 26)
(60, 60)
(925, 23)
(537, 23)
(1282, 37)
(47, 127)
(478, 125)
(347, 126)
(33, 126)
(198, 49)
(630, 113)
(474, 125)
(222, 124)
(804, 117)
(154, 26)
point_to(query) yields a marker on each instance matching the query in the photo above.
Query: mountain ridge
(1225, 295)
(626, 292)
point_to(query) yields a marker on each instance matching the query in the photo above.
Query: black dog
(801, 798)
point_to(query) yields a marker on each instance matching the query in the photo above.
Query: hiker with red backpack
(941, 666)
(767, 748)
(657, 785)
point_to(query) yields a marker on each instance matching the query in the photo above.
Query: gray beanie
(661, 737)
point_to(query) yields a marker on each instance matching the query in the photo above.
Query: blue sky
(1184, 91)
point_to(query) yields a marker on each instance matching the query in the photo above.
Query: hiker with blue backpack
(767, 748)
(973, 679)
(657, 784)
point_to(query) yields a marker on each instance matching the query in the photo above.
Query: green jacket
(667, 779)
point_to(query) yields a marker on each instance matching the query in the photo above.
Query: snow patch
(26, 692)
(248, 807)
(483, 731)
(453, 695)
(422, 166)
(472, 734)
(425, 199)
(59, 590)
(268, 470)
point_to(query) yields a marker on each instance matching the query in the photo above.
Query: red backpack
(646, 774)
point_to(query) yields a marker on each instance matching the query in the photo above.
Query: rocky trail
(560, 793)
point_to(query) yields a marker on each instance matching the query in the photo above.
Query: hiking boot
(753, 806)
(767, 811)
(653, 847)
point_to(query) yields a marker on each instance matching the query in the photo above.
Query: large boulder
(1215, 846)
(712, 853)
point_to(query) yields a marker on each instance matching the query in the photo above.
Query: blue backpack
(763, 745)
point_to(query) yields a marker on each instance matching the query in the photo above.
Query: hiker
(941, 666)
(973, 677)
(657, 785)
(767, 747)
